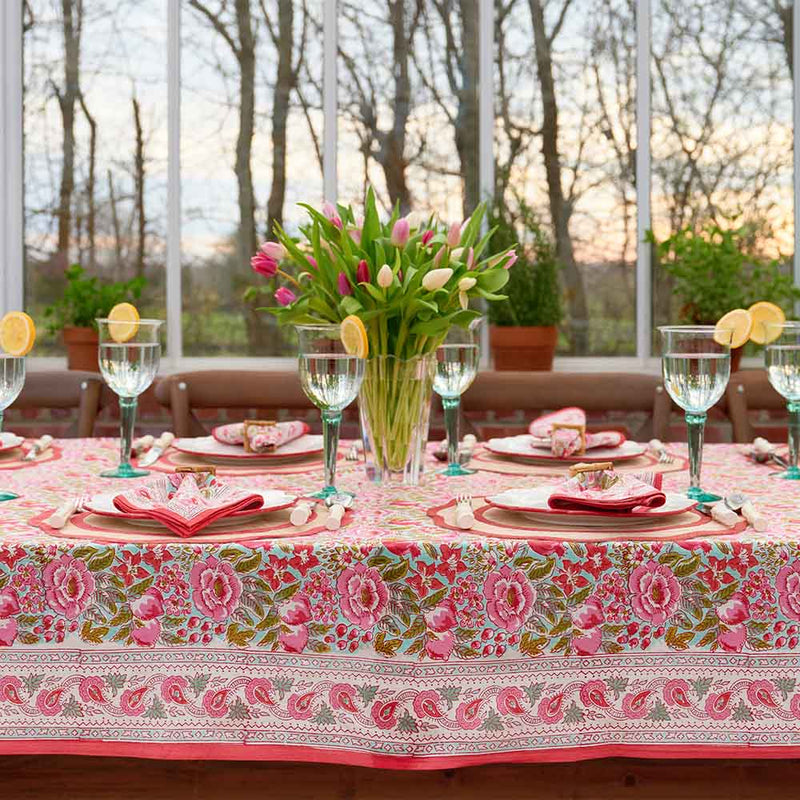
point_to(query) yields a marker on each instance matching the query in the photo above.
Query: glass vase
(395, 407)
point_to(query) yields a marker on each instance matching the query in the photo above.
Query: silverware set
(61, 516)
(657, 447)
(727, 511)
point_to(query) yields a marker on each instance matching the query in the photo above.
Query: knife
(157, 450)
(38, 447)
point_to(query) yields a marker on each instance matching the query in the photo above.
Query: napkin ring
(570, 426)
(211, 470)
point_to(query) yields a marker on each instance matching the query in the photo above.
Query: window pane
(251, 148)
(565, 138)
(722, 127)
(95, 147)
(408, 104)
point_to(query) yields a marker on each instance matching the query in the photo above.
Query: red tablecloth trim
(287, 753)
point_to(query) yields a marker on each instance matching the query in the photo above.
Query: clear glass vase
(395, 407)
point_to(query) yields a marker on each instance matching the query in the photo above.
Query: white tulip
(456, 254)
(436, 278)
(463, 300)
(465, 284)
(385, 276)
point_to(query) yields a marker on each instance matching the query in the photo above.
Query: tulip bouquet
(407, 283)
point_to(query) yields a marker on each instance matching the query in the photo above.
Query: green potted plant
(73, 314)
(715, 270)
(524, 330)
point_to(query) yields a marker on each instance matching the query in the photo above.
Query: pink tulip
(426, 237)
(312, 262)
(362, 272)
(329, 210)
(344, 284)
(400, 232)
(454, 235)
(437, 259)
(470, 258)
(284, 296)
(274, 250)
(511, 260)
(355, 235)
(264, 265)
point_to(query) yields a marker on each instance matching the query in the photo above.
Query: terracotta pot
(81, 346)
(523, 348)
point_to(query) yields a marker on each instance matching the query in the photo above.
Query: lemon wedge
(17, 333)
(734, 328)
(763, 313)
(354, 336)
(123, 322)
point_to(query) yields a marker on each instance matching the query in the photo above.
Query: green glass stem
(696, 424)
(127, 420)
(792, 472)
(451, 406)
(1, 420)
(331, 420)
(5, 495)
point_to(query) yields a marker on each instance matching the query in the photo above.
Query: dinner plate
(103, 504)
(535, 501)
(8, 441)
(215, 452)
(525, 448)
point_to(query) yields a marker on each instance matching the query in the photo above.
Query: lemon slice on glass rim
(354, 336)
(764, 313)
(123, 322)
(17, 333)
(734, 328)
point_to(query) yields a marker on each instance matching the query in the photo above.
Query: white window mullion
(11, 154)
(644, 299)
(173, 276)
(329, 100)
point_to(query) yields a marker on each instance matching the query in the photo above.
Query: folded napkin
(565, 442)
(186, 502)
(265, 439)
(607, 490)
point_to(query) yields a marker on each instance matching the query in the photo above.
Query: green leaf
(395, 572)
(287, 592)
(249, 564)
(493, 279)
(239, 636)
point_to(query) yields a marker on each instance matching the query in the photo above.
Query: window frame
(12, 198)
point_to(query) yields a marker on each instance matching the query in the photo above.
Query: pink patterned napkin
(608, 491)
(565, 442)
(268, 438)
(186, 502)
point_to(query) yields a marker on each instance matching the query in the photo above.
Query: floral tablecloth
(394, 642)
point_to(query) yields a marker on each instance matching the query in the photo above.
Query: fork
(353, 452)
(657, 446)
(465, 517)
(60, 517)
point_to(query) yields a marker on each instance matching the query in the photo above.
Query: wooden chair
(748, 391)
(536, 392)
(185, 393)
(84, 391)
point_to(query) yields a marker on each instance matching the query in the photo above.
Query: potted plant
(524, 330)
(715, 270)
(74, 313)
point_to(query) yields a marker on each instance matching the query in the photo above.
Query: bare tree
(139, 176)
(91, 204)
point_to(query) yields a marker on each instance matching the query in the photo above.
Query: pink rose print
(68, 586)
(9, 603)
(656, 592)
(363, 595)
(676, 693)
(733, 638)
(49, 702)
(90, 690)
(510, 598)
(593, 693)
(216, 588)
(295, 639)
(440, 645)
(296, 611)
(8, 632)
(760, 693)
(736, 610)
(146, 635)
(426, 704)
(343, 698)
(149, 606)
(173, 690)
(588, 618)
(441, 620)
(787, 584)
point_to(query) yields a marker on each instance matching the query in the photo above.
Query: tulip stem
(289, 278)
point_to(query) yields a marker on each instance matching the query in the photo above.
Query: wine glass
(696, 365)
(129, 354)
(331, 378)
(12, 379)
(782, 357)
(457, 360)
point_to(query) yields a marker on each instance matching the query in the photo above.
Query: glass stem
(127, 419)
(330, 440)
(696, 424)
(794, 437)
(450, 406)
(1, 421)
